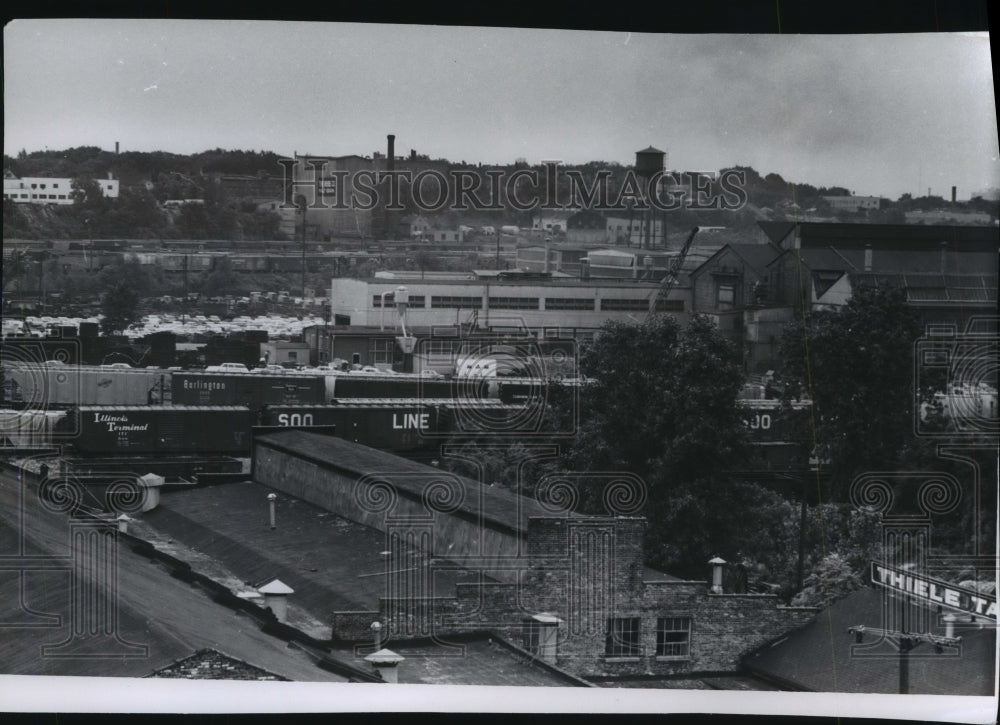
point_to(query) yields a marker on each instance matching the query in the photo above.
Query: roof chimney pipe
(717, 563)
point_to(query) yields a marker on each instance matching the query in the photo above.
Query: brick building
(572, 589)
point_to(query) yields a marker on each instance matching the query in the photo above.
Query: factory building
(487, 300)
(949, 275)
(49, 190)
(571, 589)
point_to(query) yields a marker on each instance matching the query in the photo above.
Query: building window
(292, 355)
(726, 294)
(440, 347)
(670, 305)
(514, 303)
(380, 351)
(55, 186)
(621, 305)
(465, 303)
(673, 637)
(569, 303)
(622, 638)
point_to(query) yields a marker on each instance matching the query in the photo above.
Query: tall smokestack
(954, 192)
(116, 148)
(391, 152)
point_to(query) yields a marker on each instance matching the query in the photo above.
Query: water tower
(648, 163)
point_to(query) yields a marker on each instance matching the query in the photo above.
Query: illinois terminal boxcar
(159, 430)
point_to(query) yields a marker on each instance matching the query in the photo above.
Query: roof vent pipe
(717, 563)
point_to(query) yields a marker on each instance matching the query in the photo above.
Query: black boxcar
(160, 430)
(388, 386)
(389, 425)
(250, 389)
(769, 421)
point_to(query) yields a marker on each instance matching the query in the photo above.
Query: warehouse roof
(884, 236)
(818, 657)
(493, 505)
(330, 563)
(161, 619)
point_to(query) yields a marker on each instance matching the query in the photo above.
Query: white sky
(879, 114)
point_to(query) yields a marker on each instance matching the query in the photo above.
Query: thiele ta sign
(935, 592)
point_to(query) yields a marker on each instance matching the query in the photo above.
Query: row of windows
(569, 303)
(673, 637)
(514, 303)
(35, 196)
(467, 303)
(412, 301)
(42, 186)
(531, 303)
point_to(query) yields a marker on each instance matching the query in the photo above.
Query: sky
(878, 114)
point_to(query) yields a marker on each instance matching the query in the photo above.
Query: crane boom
(673, 271)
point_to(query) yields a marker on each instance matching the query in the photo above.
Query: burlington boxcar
(250, 389)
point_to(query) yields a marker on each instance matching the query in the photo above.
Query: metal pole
(905, 645)
(498, 248)
(303, 254)
(802, 534)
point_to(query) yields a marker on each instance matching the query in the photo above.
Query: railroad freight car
(250, 389)
(403, 424)
(159, 430)
(390, 425)
(49, 384)
(771, 421)
(347, 385)
(28, 428)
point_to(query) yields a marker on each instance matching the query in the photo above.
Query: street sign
(935, 592)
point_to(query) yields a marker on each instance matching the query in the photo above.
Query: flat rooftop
(332, 564)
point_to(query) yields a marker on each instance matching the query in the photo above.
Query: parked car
(227, 367)
(271, 369)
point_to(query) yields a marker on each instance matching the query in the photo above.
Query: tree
(121, 284)
(87, 194)
(119, 307)
(221, 280)
(856, 364)
(663, 402)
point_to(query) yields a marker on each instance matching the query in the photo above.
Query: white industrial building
(489, 299)
(49, 190)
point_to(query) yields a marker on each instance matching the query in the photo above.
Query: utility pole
(905, 643)
(303, 252)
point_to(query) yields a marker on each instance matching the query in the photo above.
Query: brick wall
(585, 571)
